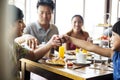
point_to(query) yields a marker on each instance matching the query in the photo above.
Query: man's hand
(64, 38)
(55, 41)
(32, 42)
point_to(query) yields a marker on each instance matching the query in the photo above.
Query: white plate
(82, 63)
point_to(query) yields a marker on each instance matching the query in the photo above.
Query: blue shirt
(116, 65)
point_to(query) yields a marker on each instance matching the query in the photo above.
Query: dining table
(60, 72)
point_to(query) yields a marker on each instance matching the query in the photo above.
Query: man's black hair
(49, 3)
(116, 28)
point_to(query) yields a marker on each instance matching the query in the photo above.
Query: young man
(42, 29)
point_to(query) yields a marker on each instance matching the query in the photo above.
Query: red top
(72, 46)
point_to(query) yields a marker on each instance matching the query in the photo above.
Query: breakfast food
(56, 61)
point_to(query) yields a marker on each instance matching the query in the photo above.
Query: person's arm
(22, 52)
(27, 39)
(41, 51)
(19, 40)
(55, 31)
(38, 53)
(90, 47)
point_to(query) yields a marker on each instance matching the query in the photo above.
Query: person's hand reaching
(28, 41)
(64, 38)
(55, 41)
(31, 41)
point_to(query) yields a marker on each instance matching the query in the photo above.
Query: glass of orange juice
(61, 51)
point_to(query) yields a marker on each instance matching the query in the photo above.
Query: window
(65, 9)
(93, 14)
(118, 9)
(31, 11)
(28, 7)
(21, 4)
(115, 11)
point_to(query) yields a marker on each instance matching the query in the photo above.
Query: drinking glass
(61, 51)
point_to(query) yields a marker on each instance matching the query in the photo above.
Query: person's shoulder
(69, 33)
(53, 25)
(86, 33)
(54, 29)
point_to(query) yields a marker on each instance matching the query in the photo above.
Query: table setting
(77, 59)
(61, 63)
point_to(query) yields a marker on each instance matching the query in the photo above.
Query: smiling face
(77, 24)
(44, 14)
(20, 25)
(115, 41)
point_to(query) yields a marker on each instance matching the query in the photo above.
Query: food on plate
(57, 61)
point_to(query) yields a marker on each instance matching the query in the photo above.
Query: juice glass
(61, 51)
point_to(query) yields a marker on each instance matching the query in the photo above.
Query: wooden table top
(85, 73)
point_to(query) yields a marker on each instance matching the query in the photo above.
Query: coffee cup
(80, 57)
